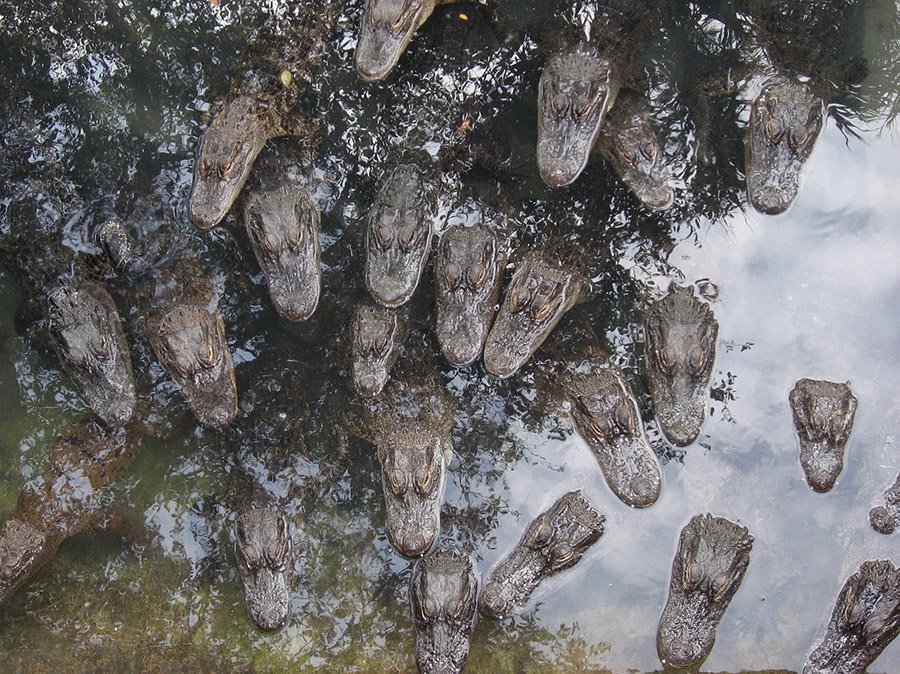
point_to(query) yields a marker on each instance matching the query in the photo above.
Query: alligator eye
(411, 237)
(546, 309)
(559, 102)
(423, 480)
(396, 482)
(478, 275)
(519, 298)
(457, 611)
(662, 358)
(629, 157)
(452, 275)
(383, 234)
(697, 359)
(562, 553)
(649, 151)
(543, 534)
(400, 20)
(101, 348)
(208, 359)
(773, 130)
(720, 585)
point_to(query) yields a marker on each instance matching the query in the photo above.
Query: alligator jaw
(577, 89)
(785, 121)
(385, 30)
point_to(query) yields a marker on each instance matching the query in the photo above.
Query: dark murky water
(117, 94)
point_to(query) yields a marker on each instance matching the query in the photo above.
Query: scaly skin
(398, 236)
(823, 416)
(377, 336)
(709, 566)
(263, 548)
(87, 335)
(885, 519)
(385, 31)
(556, 540)
(468, 271)
(442, 594)
(71, 498)
(785, 120)
(273, 77)
(866, 618)
(680, 349)
(537, 298)
(607, 417)
(283, 227)
(579, 86)
(628, 141)
(410, 425)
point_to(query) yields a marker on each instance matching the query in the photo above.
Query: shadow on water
(105, 103)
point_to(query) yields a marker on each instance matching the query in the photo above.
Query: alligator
(866, 618)
(607, 417)
(410, 423)
(83, 322)
(273, 76)
(543, 289)
(283, 226)
(386, 28)
(680, 335)
(556, 540)
(468, 271)
(797, 78)
(443, 595)
(426, 146)
(286, 454)
(885, 519)
(72, 496)
(177, 310)
(398, 236)
(376, 338)
(709, 565)
(823, 416)
(578, 94)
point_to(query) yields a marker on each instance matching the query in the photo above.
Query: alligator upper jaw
(576, 90)
(785, 120)
(283, 226)
(385, 30)
(461, 332)
(679, 405)
(227, 151)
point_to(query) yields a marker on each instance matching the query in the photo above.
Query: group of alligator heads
(584, 105)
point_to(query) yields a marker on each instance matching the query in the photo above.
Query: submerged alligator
(410, 426)
(579, 108)
(543, 289)
(442, 594)
(866, 618)
(272, 78)
(680, 334)
(83, 322)
(178, 310)
(556, 540)
(823, 415)
(709, 566)
(287, 454)
(886, 519)
(72, 496)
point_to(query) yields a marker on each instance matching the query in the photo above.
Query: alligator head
(866, 618)
(823, 415)
(468, 270)
(227, 151)
(413, 471)
(23, 549)
(192, 348)
(709, 566)
(443, 593)
(263, 547)
(577, 89)
(680, 348)
(886, 519)
(785, 121)
(398, 237)
(385, 30)
(283, 226)
(535, 301)
(88, 336)
(556, 540)
(629, 142)
(377, 335)
(113, 237)
(607, 417)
